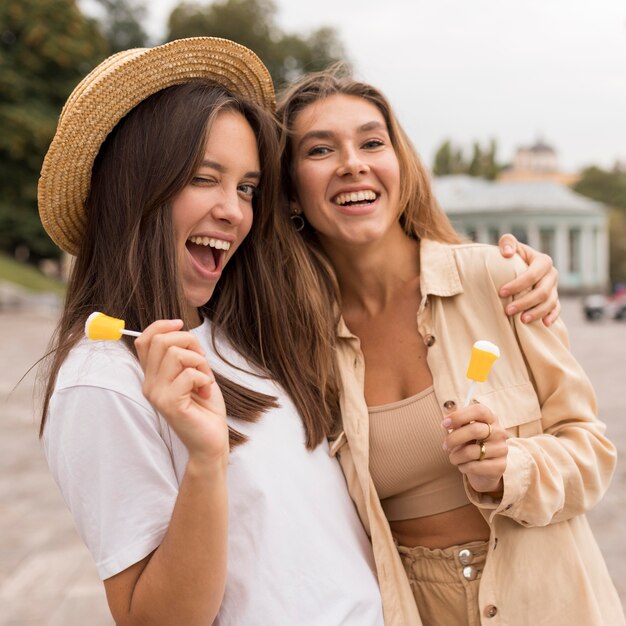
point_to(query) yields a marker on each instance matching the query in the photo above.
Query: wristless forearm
(184, 581)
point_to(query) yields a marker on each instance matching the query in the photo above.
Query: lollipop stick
(132, 333)
(470, 393)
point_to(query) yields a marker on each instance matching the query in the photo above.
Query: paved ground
(46, 575)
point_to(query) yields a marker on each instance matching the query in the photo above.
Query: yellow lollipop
(100, 327)
(484, 353)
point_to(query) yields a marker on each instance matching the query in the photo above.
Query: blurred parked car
(594, 307)
(597, 306)
(618, 307)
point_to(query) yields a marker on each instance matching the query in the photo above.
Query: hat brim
(108, 93)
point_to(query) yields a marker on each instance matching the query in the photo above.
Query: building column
(588, 260)
(534, 241)
(561, 252)
(482, 233)
(505, 227)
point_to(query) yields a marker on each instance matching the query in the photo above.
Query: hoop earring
(298, 221)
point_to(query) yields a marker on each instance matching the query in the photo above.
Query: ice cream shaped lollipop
(484, 353)
(100, 327)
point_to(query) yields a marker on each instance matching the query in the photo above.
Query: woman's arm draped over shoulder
(536, 288)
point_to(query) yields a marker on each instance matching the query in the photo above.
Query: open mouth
(356, 198)
(207, 252)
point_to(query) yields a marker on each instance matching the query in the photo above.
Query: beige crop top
(412, 474)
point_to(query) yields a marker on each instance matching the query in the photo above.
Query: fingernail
(511, 309)
(508, 249)
(447, 423)
(504, 293)
(445, 446)
(526, 318)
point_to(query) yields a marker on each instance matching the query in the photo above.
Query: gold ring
(483, 450)
(489, 433)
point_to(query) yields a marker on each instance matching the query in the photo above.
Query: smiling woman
(337, 135)
(475, 511)
(212, 215)
(201, 503)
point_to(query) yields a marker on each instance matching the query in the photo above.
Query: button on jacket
(543, 564)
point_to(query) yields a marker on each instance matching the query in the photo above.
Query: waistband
(477, 548)
(455, 564)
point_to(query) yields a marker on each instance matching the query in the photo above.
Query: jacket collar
(343, 331)
(439, 273)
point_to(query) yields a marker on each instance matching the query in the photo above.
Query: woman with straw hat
(160, 161)
(476, 511)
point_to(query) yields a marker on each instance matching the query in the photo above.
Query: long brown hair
(127, 264)
(419, 211)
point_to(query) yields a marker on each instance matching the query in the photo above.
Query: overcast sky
(514, 70)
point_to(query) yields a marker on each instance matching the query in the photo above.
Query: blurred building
(547, 215)
(538, 162)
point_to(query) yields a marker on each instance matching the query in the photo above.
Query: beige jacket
(543, 564)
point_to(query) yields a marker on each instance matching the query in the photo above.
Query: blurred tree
(475, 166)
(252, 23)
(609, 187)
(491, 168)
(449, 160)
(121, 24)
(605, 186)
(617, 246)
(46, 46)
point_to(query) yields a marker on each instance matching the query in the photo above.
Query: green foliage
(252, 23)
(46, 46)
(121, 24)
(609, 187)
(449, 159)
(604, 186)
(474, 167)
(490, 167)
(617, 246)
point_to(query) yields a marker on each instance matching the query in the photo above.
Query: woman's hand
(541, 277)
(477, 444)
(180, 385)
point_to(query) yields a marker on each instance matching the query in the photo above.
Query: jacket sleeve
(565, 469)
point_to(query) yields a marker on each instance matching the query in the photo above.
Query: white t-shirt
(297, 552)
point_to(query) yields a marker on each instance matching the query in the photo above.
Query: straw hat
(108, 93)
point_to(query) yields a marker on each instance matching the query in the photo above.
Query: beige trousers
(445, 582)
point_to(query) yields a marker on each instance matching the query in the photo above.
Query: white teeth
(218, 244)
(355, 196)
